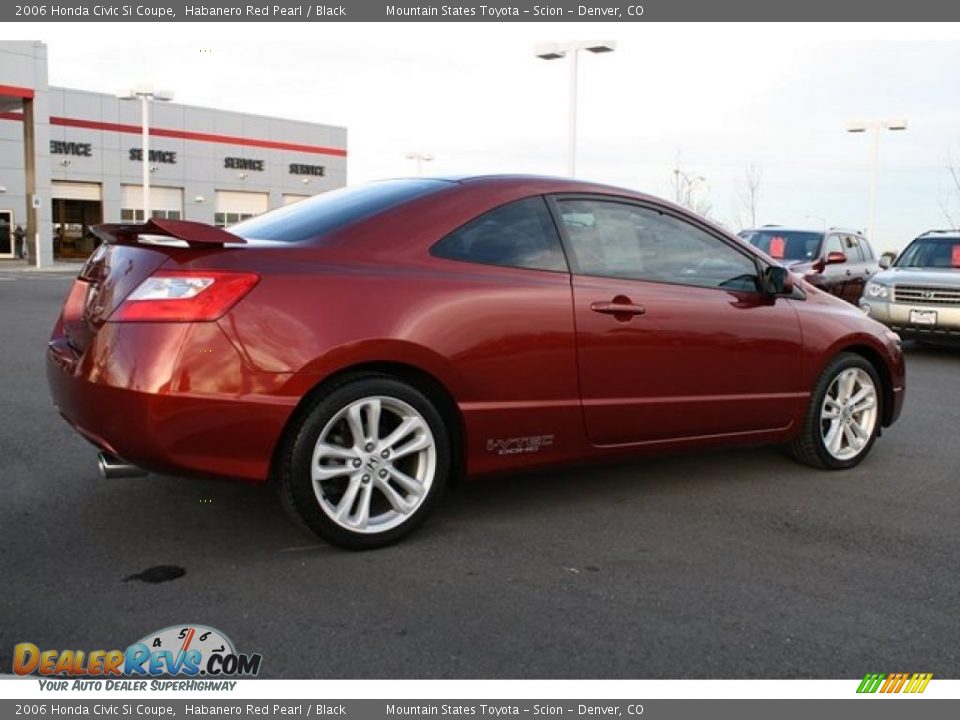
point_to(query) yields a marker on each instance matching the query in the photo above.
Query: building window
(231, 218)
(131, 215)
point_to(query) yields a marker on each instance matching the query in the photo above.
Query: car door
(868, 265)
(673, 338)
(834, 278)
(856, 268)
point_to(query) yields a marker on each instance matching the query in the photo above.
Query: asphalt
(737, 564)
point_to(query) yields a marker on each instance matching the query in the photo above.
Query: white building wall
(200, 170)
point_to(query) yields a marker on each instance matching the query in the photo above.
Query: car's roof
(785, 228)
(518, 180)
(944, 234)
(800, 228)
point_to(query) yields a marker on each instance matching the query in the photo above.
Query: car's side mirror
(776, 280)
(886, 260)
(835, 258)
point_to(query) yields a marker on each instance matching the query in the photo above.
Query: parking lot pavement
(731, 564)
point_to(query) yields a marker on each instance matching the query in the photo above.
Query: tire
(837, 434)
(347, 480)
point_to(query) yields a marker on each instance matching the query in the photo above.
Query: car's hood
(939, 277)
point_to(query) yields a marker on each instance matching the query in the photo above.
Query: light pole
(555, 51)
(145, 94)
(875, 126)
(420, 157)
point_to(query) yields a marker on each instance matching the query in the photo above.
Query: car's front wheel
(366, 463)
(843, 417)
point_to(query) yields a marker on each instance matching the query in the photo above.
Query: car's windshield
(320, 214)
(785, 244)
(931, 252)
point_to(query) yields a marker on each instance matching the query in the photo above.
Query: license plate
(923, 317)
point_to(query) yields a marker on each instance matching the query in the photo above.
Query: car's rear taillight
(76, 298)
(184, 296)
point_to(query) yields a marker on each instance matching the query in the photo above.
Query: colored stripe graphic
(871, 681)
(894, 683)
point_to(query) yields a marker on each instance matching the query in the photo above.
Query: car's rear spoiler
(192, 233)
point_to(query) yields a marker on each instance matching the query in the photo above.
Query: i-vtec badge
(517, 445)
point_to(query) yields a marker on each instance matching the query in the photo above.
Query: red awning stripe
(15, 91)
(200, 137)
(185, 135)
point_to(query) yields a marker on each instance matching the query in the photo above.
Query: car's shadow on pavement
(933, 350)
(153, 520)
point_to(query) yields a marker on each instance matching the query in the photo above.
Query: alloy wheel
(848, 416)
(373, 464)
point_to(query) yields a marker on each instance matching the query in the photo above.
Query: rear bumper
(172, 398)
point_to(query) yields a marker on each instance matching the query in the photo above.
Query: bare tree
(951, 197)
(691, 190)
(750, 194)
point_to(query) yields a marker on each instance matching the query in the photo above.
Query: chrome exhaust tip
(112, 467)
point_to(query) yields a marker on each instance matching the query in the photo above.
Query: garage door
(290, 199)
(76, 191)
(165, 202)
(232, 206)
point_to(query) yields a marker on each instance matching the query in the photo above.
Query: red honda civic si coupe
(362, 347)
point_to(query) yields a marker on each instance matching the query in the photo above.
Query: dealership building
(71, 158)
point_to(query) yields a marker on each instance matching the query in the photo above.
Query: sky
(712, 99)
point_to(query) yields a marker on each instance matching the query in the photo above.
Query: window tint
(329, 211)
(785, 244)
(931, 253)
(520, 234)
(614, 239)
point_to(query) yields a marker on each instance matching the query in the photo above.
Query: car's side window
(520, 234)
(615, 239)
(833, 244)
(851, 248)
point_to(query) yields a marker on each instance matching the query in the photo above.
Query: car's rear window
(321, 214)
(931, 253)
(785, 244)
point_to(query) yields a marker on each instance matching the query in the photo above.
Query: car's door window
(851, 247)
(866, 252)
(614, 239)
(833, 244)
(520, 234)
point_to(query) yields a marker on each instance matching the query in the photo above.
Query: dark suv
(836, 260)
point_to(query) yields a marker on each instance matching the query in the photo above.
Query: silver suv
(918, 296)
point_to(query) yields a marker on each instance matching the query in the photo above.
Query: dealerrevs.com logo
(177, 651)
(910, 683)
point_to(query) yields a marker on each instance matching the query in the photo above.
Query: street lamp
(420, 157)
(875, 126)
(145, 94)
(555, 51)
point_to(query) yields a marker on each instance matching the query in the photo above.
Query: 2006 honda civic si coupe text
(363, 347)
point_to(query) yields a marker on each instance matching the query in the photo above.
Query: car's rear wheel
(843, 418)
(366, 463)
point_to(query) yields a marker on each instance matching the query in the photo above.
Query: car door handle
(618, 308)
(849, 271)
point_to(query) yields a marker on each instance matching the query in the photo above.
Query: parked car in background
(836, 260)
(361, 348)
(918, 295)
